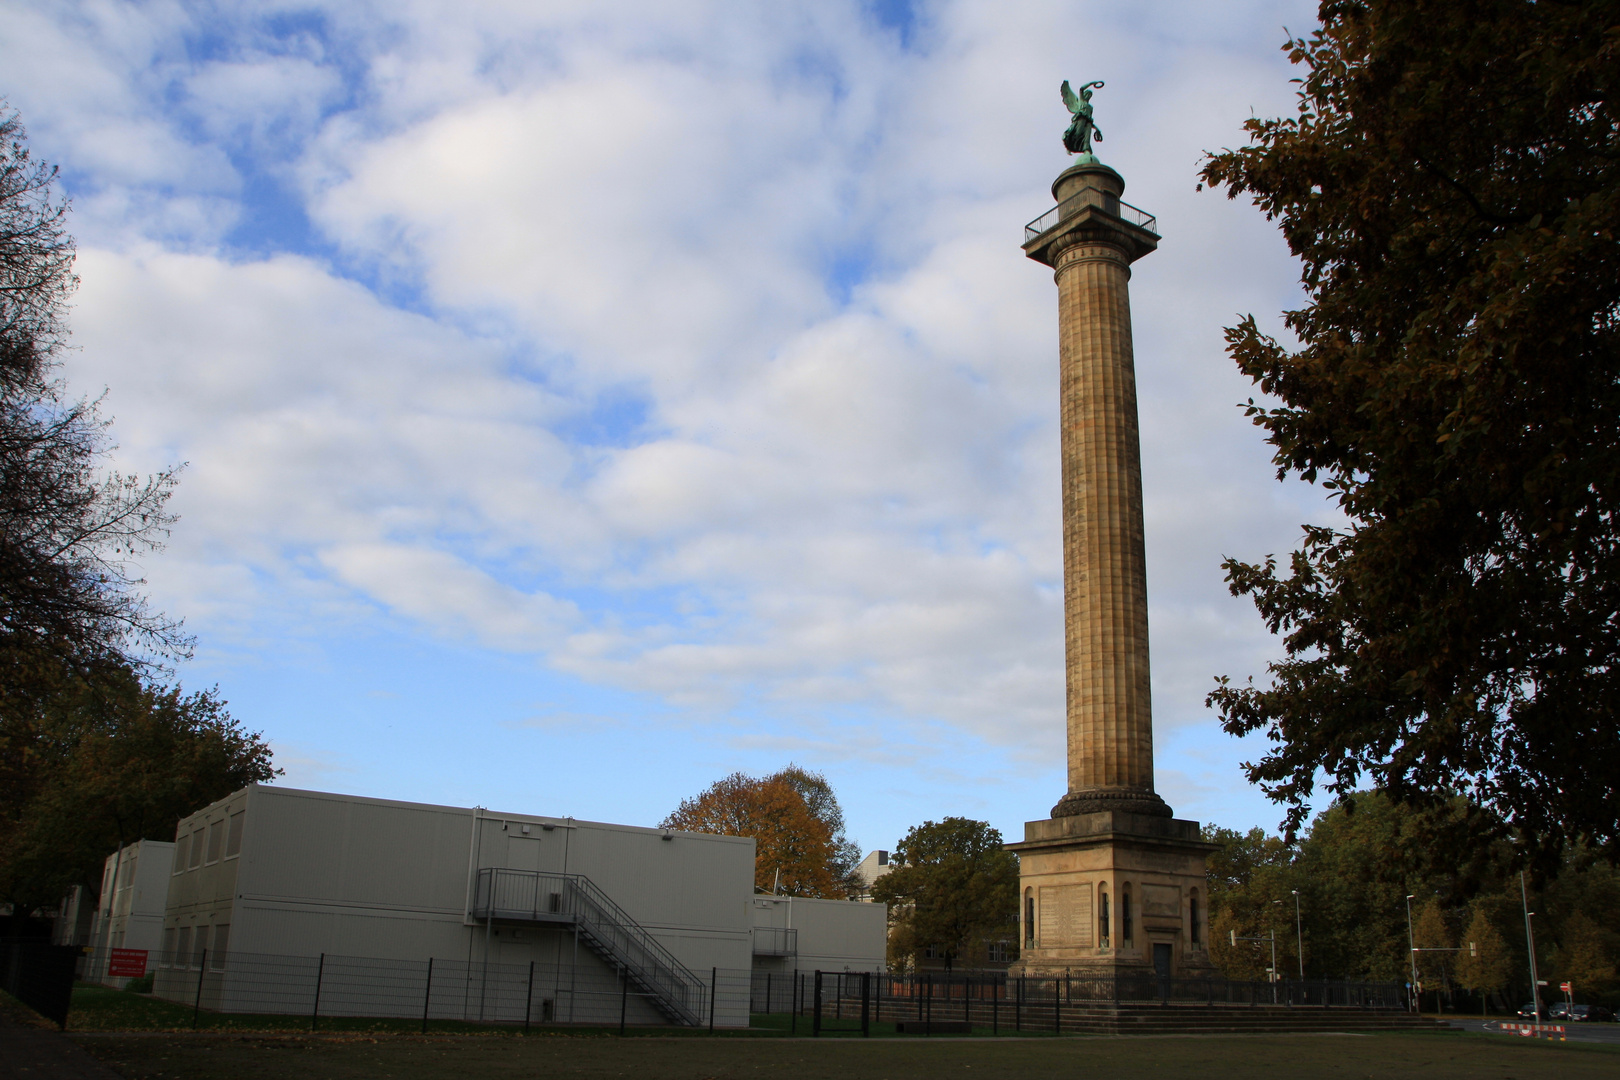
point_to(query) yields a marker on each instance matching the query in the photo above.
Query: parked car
(1558, 1010)
(1529, 1011)
(1583, 1013)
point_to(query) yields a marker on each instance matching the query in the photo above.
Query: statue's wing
(1069, 98)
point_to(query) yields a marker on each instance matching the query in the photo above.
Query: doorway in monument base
(1161, 959)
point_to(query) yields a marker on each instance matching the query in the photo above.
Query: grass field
(148, 1039)
(352, 1057)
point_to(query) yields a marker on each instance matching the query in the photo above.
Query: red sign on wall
(126, 963)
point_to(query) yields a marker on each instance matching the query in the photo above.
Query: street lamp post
(1411, 944)
(1530, 942)
(1299, 938)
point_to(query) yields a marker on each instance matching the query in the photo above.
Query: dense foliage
(797, 827)
(1451, 186)
(952, 889)
(106, 759)
(1353, 870)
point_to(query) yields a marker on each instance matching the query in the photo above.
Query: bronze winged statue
(1081, 130)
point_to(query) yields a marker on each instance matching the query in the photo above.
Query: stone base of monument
(1113, 892)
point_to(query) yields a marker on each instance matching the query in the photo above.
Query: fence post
(928, 1021)
(1018, 1007)
(427, 995)
(624, 996)
(967, 1002)
(196, 1007)
(866, 1003)
(767, 993)
(995, 1008)
(314, 1013)
(1057, 1009)
(793, 1007)
(714, 985)
(815, 1022)
(528, 998)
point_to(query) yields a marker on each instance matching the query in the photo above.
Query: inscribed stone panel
(1065, 915)
(1161, 901)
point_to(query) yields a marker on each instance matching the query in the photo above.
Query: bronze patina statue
(1077, 139)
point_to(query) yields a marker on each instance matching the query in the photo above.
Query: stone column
(1110, 835)
(1110, 716)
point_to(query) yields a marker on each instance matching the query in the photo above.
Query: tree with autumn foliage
(105, 758)
(1451, 187)
(800, 848)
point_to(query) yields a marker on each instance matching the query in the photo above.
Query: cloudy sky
(581, 401)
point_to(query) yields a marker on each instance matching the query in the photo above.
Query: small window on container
(196, 849)
(166, 957)
(182, 947)
(233, 838)
(182, 846)
(216, 840)
(222, 939)
(199, 947)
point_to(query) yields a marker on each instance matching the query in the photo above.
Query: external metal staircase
(574, 901)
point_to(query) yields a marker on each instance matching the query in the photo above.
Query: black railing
(775, 941)
(1091, 197)
(605, 927)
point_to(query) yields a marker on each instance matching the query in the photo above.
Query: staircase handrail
(645, 959)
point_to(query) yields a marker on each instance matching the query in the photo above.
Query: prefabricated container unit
(134, 898)
(270, 882)
(807, 934)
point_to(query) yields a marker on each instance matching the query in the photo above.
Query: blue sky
(580, 402)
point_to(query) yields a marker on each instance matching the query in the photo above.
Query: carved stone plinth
(1102, 891)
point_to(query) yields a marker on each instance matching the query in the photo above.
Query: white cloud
(689, 352)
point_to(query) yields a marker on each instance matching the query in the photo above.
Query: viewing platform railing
(1101, 200)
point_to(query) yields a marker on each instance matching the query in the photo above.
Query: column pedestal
(1102, 891)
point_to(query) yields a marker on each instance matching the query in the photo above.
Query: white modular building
(129, 914)
(283, 900)
(806, 934)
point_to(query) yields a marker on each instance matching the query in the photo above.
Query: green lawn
(556, 1054)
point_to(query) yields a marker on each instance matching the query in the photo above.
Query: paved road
(1598, 1033)
(31, 1053)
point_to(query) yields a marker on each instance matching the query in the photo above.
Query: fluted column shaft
(1110, 716)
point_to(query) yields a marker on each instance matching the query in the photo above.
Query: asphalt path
(1573, 1032)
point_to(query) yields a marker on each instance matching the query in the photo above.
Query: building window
(166, 957)
(182, 948)
(1103, 937)
(999, 952)
(199, 947)
(196, 849)
(1192, 921)
(1125, 927)
(180, 849)
(1029, 916)
(233, 839)
(222, 938)
(216, 840)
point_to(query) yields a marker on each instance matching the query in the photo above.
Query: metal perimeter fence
(816, 1002)
(831, 1002)
(438, 989)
